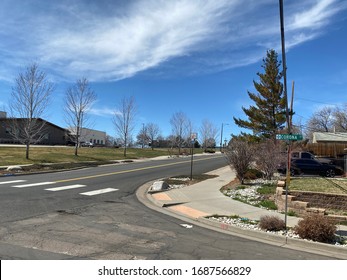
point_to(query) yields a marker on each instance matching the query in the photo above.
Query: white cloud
(115, 40)
(102, 112)
(316, 15)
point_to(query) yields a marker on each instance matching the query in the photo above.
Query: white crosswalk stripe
(63, 188)
(33, 185)
(12, 182)
(56, 189)
(107, 190)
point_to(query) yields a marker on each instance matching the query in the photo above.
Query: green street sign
(293, 137)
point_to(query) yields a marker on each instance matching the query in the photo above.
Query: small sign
(193, 136)
(292, 137)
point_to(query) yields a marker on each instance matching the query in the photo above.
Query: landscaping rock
(159, 186)
(14, 168)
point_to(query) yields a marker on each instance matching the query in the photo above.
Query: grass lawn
(318, 185)
(16, 155)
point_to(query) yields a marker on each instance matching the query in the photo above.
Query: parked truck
(309, 155)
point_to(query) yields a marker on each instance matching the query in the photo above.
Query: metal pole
(191, 161)
(143, 135)
(221, 139)
(286, 103)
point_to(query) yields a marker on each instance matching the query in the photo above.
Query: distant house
(90, 135)
(329, 137)
(52, 134)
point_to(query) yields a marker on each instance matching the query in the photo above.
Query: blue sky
(199, 57)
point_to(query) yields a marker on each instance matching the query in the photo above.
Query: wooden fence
(326, 149)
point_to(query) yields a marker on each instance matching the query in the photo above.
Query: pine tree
(267, 116)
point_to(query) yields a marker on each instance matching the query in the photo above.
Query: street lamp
(221, 136)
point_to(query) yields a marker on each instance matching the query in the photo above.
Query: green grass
(268, 204)
(267, 189)
(316, 185)
(16, 155)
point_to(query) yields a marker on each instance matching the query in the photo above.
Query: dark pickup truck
(308, 155)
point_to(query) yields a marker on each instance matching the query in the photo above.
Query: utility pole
(221, 137)
(286, 103)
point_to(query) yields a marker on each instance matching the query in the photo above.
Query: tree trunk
(76, 150)
(27, 151)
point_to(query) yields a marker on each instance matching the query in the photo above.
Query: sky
(197, 57)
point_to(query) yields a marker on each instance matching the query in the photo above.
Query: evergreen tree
(267, 116)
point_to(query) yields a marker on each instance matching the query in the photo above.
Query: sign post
(289, 138)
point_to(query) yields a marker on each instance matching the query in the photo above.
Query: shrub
(317, 228)
(268, 204)
(252, 174)
(271, 223)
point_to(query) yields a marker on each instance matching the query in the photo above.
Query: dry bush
(317, 228)
(271, 223)
(240, 155)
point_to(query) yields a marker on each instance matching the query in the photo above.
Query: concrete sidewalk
(205, 199)
(193, 203)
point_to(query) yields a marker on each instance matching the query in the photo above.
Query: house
(52, 134)
(90, 135)
(330, 137)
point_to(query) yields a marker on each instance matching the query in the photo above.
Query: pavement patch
(161, 196)
(188, 211)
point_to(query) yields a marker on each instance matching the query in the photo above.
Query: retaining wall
(303, 203)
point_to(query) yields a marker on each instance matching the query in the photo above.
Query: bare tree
(240, 155)
(268, 155)
(340, 118)
(29, 100)
(180, 128)
(142, 136)
(208, 133)
(321, 121)
(153, 132)
(78, 100)
(123, 120)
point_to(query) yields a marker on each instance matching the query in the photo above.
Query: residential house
(330, 137)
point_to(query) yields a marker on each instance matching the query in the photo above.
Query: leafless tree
(340, 118)
(152, 131)
(240, 155)
(29, 100)
(180, 128)
(124, 120)
(142, 136)
(269, 154)
(78, 100)
(208, 134)
(321, 121)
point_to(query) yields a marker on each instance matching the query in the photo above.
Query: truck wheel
(330, 173)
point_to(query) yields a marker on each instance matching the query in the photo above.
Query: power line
(320, 102)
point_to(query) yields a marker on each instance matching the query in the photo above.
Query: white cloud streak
(112, 40)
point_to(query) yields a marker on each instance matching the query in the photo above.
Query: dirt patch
(231, 185)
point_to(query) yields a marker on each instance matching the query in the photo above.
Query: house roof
(329, 137)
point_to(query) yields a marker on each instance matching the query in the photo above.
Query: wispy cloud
(102, 112)
(110, 40)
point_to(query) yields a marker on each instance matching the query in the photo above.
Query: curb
(259, 236)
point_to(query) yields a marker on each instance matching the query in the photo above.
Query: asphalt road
(94, 214)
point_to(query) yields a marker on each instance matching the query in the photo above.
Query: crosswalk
(25, 184)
